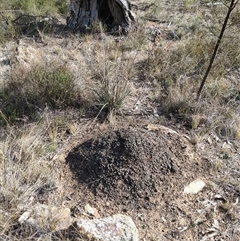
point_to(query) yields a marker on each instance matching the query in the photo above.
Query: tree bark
(114, 13)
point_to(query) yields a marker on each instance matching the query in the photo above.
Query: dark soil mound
(128, 164)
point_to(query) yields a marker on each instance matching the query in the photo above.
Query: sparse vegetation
(42, 104)
(28, 92)
(112, 85)
(33, 21)
(25, 174)
(231, 7)
(32, 7)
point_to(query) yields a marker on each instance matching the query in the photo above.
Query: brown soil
(141, 170)
(133, 166)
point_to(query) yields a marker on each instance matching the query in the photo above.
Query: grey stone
(194, 187)
(43, 217)
(115, 228)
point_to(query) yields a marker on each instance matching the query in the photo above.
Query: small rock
(115, 228)
(46, 217)
(91, 211)
(194, 187)
(227, 145)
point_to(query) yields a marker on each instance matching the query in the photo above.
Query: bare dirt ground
(140, 168)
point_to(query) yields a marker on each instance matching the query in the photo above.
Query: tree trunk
(224, 26)
(113, 13)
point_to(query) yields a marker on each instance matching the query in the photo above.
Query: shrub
(27, 92)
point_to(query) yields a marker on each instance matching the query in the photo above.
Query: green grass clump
(111, 94)
(28, 92)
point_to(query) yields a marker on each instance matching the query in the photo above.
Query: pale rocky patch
(45, 217)
(91, 211)
(114, 228)
(194, 187)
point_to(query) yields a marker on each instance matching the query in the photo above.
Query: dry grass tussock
(26, 173)
(100, 75)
